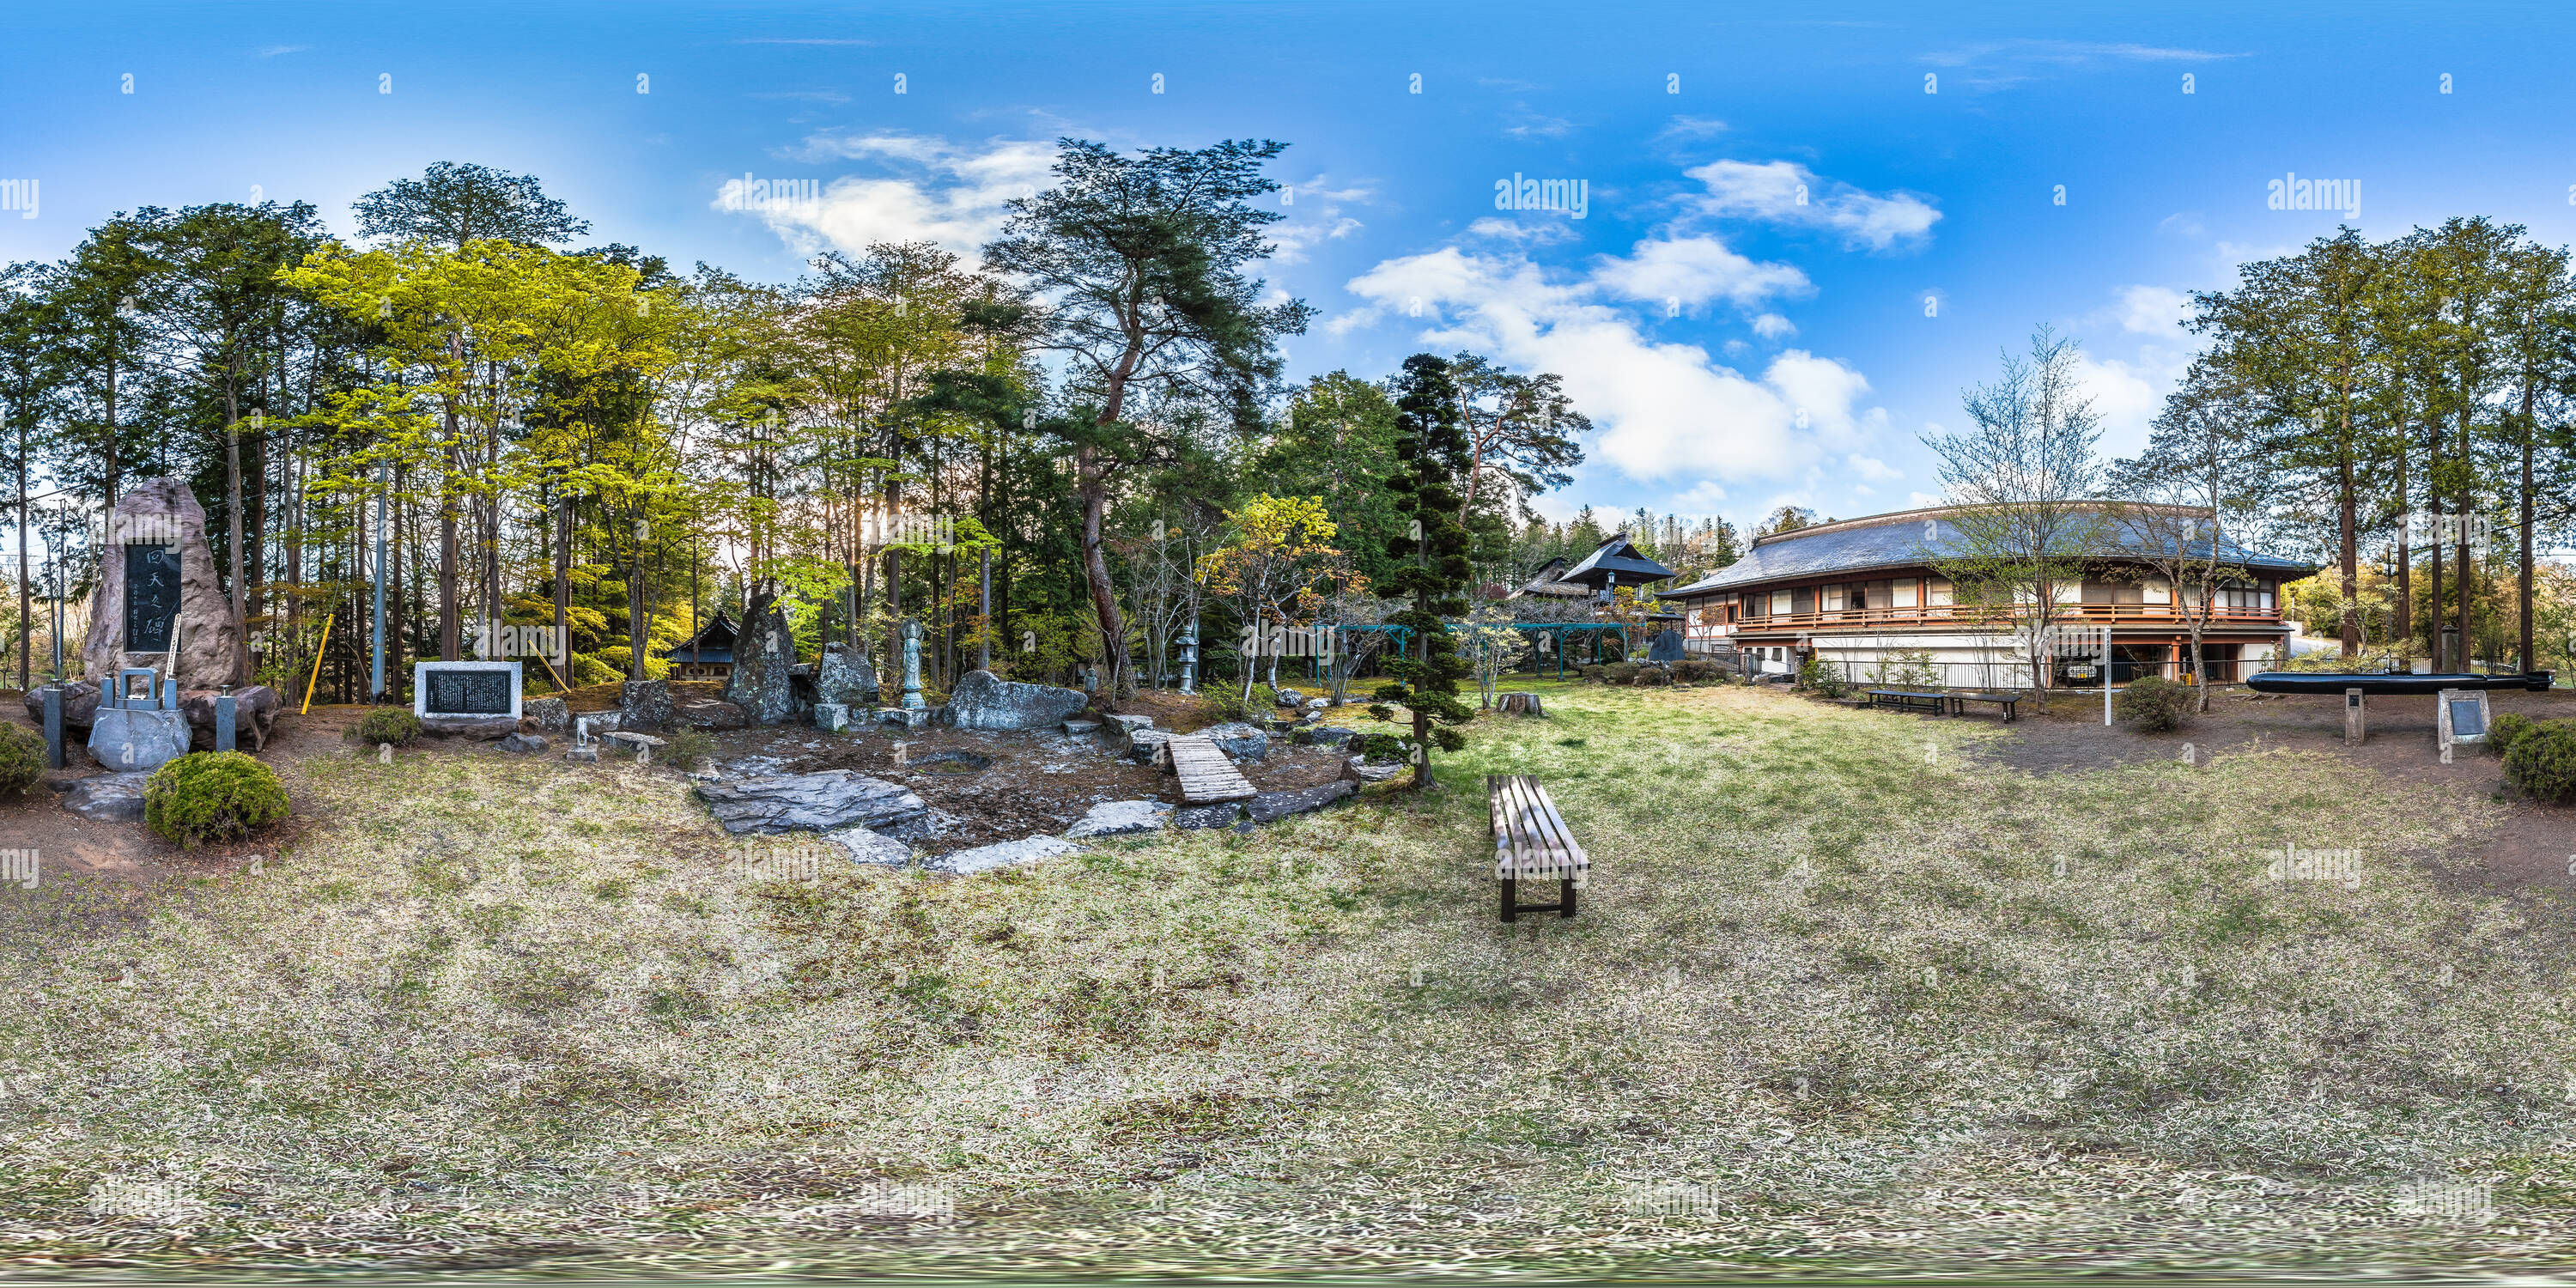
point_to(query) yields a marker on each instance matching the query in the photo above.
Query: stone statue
(911, 665)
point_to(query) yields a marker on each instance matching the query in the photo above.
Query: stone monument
(478, 699)
(845, 677)
(763, 682)
(158, 602)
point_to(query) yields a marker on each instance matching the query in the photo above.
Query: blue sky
(1735, 349)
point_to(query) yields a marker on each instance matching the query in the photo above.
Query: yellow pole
(317, 668)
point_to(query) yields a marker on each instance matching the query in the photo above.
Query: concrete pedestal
(2353, 732)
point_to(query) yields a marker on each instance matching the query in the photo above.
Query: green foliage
(686, 747)
(396, 725)
(2155, 704)
(1431, 451)
(1823, 677)
(2542, 762)
(212, 796)
(588, 670)
(1653, 677)
(2508, 729)
(1619, 673)
(22, 758)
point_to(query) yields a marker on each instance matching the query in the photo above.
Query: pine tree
(1431, 455)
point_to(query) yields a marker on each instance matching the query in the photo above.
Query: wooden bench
(2008, 701)
(1911, 700)
(1531, 842)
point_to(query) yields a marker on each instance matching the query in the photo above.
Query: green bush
(212, 796)
(22, 758)
(1652, 677)
(686, 747)
(2507, 729)
(2155, 704)
(387, 724)
(1620, 673)
(1823, 677)
(588, 670)
(2542, 763)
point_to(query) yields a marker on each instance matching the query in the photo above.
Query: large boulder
(1362, 771)
(983, 700)
(763, 682)
(824, 802)
(154, 524)
(550, 714)
(643, 704)
(137, 738)
(254, 710)
(846, 677)
(707, 713)
(1241, 741)
(80, 705)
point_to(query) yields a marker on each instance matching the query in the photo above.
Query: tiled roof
(1908, 540)
(1620, 556)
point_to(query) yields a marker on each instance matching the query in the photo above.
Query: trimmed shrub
(1652, 677)
(387, 724)
(1620, 673)
(212, 796)
(2155, 704)
(22, 758)
(2507, 728)
(2542, 764)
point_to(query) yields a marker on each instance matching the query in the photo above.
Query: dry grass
(1833, 1004)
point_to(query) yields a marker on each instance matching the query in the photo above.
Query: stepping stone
(1270, 807)
(1080, 727)
(1145, 746)
(1241, 741)
(824, 802)
(985, 858)
(109, 798)
(871, 847)
(1120, 818)
(1130, 724)
(521, 744)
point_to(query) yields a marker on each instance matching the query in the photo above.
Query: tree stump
(1519, 704)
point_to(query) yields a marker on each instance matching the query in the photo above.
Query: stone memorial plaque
(470, 693)
(2468, 720)
(151, 597)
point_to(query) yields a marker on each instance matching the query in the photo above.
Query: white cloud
(1872, 468)
(1785, 192)
(1662, 409)
(1694, 271)
(2158, 311)
(1314, 210)
(1707, 496)
(1772, 326)
(1922, 500)
(941, 193)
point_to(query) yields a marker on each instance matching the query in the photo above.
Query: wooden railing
(1951, 615)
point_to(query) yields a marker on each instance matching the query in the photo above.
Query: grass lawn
(1844, 996)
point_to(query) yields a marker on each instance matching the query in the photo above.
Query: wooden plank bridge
(1206, 775)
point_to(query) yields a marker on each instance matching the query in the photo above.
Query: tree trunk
(563, 584)
(2405, 614)
(450, 644)
(2528, 660)
(1092, 483)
